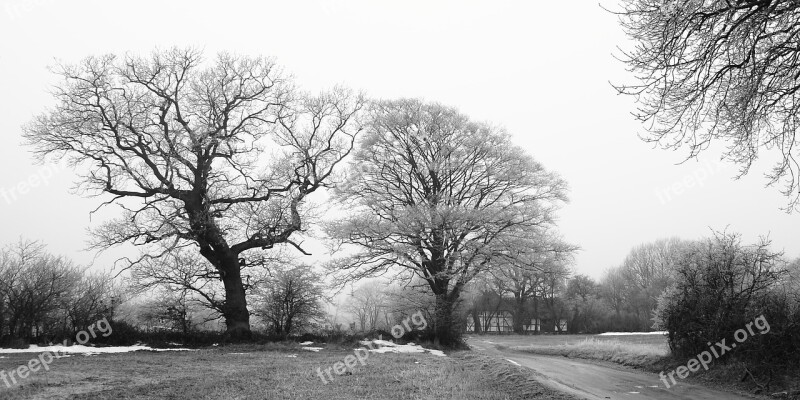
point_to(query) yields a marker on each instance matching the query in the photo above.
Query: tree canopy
(719, 70)
(218, 155)
(440, 197)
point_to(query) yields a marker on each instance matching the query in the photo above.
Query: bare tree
(33, 285)
(92, 298)
(172, 310)
(792, 280)
(635, 285)
(368, 304)
(217, 155)
(582, 287)
(613, 289)
(719, 70)
(648, 270)
(524, 274)
(5, 276)
(653, 264)
(293, 299)
(438, 196)
(405, 300)
(582, 293)
(721, 285)
(553, 289)
(185, 270)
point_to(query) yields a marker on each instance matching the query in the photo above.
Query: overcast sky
(539, 69)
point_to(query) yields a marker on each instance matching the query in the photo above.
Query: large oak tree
(435, 196)
(218, 155)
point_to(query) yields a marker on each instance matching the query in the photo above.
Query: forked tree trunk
(476, 320)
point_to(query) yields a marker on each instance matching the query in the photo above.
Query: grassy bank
(639, 355)
(282, 371)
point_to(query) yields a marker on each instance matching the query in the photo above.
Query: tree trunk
(237, 317)
(287, 327)
(446, 329)
(519, 315)
(551, 306)
(185, 327)
(2, 320)
(575, 325)
(476, 320)
(487, 321)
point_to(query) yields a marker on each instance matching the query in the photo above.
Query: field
(282, 371)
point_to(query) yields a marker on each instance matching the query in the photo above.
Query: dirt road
(588, 380)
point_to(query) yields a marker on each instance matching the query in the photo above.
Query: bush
(18, 343)
(122, 334)
(721, 287)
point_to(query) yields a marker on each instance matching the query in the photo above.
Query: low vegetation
(745, 295)
(274, 371)
(640, 355)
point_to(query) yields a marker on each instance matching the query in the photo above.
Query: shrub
(721, 287)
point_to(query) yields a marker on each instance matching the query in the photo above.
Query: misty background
(518, 65)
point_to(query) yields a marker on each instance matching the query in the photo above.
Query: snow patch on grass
(81, 349)
(390, 347)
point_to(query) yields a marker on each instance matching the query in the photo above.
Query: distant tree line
(545, 288)
(48, 297)
(675, 285)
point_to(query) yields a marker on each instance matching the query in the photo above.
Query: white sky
(541, 69)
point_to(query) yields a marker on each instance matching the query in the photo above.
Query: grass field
(281, 371)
